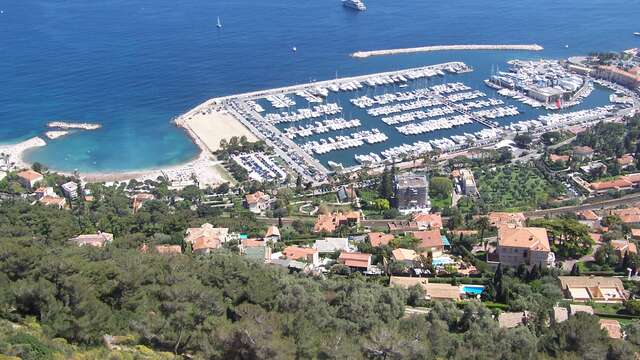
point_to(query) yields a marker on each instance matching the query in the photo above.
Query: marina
(345, 123)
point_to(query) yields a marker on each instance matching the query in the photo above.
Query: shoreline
(16, 151)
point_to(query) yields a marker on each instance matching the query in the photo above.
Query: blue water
(473, 289)
(134, 65)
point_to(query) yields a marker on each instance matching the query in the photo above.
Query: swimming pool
(442, 260)
(472, 289)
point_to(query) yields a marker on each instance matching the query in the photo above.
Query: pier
(365, 54)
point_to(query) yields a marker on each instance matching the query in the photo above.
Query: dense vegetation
(515, 187)
(58, 300)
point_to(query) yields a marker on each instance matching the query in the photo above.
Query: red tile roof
(357, 260)
(428, 220)
(379, 239)
(296, 252)
(429, 238)
(524, 237)
(30, 175)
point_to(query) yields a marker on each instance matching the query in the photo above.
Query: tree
(440, 187)
(523, 140)
(483, 224)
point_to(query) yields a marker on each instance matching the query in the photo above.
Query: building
(612, 327)
(426, 221)
(139, 200)
(29, 178)
(547, 95)
(70, 190)
(625, 160)
(379, 238)
(55, 201)
(331, 222)
(402, 226)
(433, 291)
(272, 234)
(629, 216)
(406, 256)
(44, 191)
(431, 241)
(524, 245)
(582, 153)
(356, 261)
(559, 314)
(468, 183)
(257, 202)
(618, 76)
(412, 193)
(307, 255)
(559, 158)
(346, 194)
(622, 247)
(97, 240)
(577, 308)
(331, 245)
(500, 219)
(509, 320)
(618, 184)
(168, 249)
(592, 288)
(206, 238)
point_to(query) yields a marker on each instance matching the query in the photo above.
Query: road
(604, 204)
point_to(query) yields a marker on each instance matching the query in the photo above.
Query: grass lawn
(441, 203)
(515, 187)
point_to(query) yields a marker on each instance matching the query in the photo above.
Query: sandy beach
(16, 151)
(207, 125)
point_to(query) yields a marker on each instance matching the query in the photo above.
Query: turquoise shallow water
(134, 65)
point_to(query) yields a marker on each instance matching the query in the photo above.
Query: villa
(55, 201)
(272, 234)
(257, 202)
(206, 238)
(431, 241)
(499, 219)
(622, 247)
(29, 178)
(331, 222)
(406, 256)
(592, 288)
(331, 245)
(96, 240)
(356, 261)
(426, 221)
(70, 190)
(524, 245)
(140, 199)
(307, 255)
(433, 291)
(379, 238)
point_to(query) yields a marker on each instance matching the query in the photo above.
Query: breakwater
(365, 54)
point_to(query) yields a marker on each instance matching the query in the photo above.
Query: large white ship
(354, 4)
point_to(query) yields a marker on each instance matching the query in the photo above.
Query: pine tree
(575, 270)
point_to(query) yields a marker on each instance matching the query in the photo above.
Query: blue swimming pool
(442, 260)
(472, 289)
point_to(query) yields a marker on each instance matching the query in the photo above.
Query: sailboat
(219, 24)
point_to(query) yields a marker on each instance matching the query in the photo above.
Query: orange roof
(429, 238)
(428, 220)
(556, 158)
(404, 254)
(635, 232)
(379, 239)
(524, 237)
(358, 260)
(247, 243)
(612, 327)
(611, 184)
(596, 237)
(53, 201)
(272, 231)
(498, 219)
(588, 215)
(30, 175)
(628, 215)
(255, 197)
(205, 242)
(624, 246)
(626, 159)
(168, 249)
(330, 222)
(634, 178)
(296, 252)
(584, 150)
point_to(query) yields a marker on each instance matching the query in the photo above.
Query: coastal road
(603, 204)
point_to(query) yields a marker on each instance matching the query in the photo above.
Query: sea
(134, 65)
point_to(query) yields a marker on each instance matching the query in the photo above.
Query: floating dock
(365, 54)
